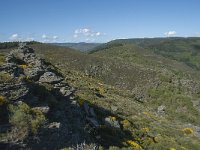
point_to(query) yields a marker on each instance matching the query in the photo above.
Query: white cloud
(98, 34)
(32, 36)
(49, 39)
(170, 33)
(55, 37)
(14, 37)
(44, 36)
(22, 38)
(85, 30)
(87, 34)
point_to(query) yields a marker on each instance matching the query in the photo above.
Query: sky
(97, 20)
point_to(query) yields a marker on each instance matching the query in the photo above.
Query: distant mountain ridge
(82, 46)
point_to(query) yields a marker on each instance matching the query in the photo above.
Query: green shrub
(37, 120)
(165, 78)
(25, 119)
(5, 77)
(3, 100)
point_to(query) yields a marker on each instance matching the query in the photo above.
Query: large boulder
(50, 77)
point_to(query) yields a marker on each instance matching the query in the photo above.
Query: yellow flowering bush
(188, 131)
(126, 124)
(24, 66)
(113, 118)
(172, 148)
(135, 145)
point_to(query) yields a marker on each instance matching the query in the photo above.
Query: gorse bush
(126, 124)
(188, 131)
(135, 145)
(23, 66)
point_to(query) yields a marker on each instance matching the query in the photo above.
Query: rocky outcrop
(22, 63)
(25, 60)
(39, 85)
(14, 91)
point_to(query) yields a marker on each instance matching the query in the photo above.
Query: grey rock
(66, 91)
(74, 102)
(54, 125)
(114, 108)
(43, 109)
(14, 91)
(12, 69)
(34, 73)
(112, 123)
(50, 77)
(59, 85)
(161, 109)
(72, 97)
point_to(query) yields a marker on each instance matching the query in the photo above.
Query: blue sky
(97, 20)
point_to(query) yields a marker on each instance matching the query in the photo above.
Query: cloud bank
(87, 34)
(14, 37)
(170, 33)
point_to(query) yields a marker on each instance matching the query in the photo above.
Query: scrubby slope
(154, 99)
(181, 49)
(170, 89)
